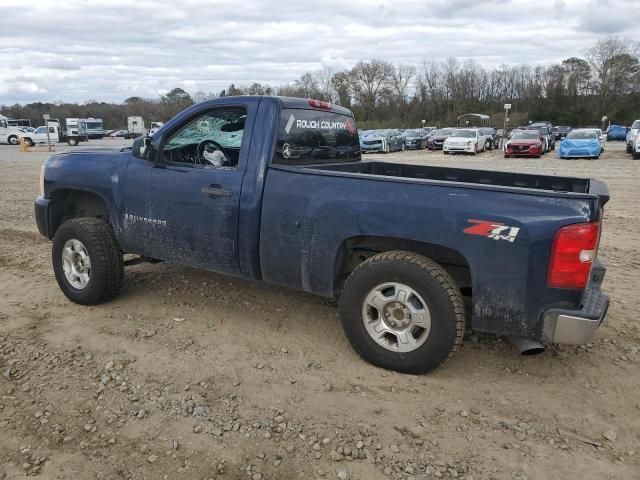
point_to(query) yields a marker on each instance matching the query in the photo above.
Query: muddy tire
(87, 261)
(402, 311)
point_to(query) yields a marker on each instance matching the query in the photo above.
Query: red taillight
(572, 255)
(319, 104)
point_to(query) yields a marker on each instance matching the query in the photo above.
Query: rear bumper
(577, 327)
(41, 210)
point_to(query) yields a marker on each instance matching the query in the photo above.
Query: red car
(524, 143)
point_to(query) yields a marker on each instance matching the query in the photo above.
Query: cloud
(112, 49)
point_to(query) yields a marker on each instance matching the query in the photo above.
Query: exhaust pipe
(526, 346)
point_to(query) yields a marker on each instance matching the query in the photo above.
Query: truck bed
(469, 176)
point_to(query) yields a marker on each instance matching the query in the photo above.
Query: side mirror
(142, 147)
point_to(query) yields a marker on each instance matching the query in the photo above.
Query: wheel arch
(357, 249)
(75, 203)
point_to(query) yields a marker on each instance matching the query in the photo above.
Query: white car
(465, 140)
(635, 150)
(632, 134)
(602, 138)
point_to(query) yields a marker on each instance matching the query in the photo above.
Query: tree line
(578, 91)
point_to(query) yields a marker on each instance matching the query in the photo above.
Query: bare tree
(369, 81)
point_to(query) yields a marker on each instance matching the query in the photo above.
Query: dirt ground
(189, 374)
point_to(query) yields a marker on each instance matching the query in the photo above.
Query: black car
(492, 137)
(560, 132)
(415, 138)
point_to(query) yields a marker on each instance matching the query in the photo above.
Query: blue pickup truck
(275, 189)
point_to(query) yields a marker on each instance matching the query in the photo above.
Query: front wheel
(13, 140)
(87, 261)
(402, 311)
(29, 142)
(635, 155)
(72, 142)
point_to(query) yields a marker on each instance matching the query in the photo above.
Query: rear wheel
(72, 142)
(87, 261)
(402, 311)
(635, 155)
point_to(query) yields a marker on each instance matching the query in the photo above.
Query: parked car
(437, 138)
(119, 133)
(616, 132)
(383, 141)
(545, 129)
(491, 136)
(524, 143)
(465, 140)
(635, 151)
(216, 188)
(632, 134)
(560, 132)
(415, 139)
(602, 138)
(580, 143)
(395, 139)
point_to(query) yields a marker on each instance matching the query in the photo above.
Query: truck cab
(39, 135)
(155, 126)
(9, 133)
(72, 136)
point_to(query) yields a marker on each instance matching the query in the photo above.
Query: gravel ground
(189, 374)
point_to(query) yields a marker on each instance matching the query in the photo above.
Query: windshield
(524, 135)
(442, 133)
(464, 134)
(582, 135)
(636, 124)
(412, 133)
(224, 127)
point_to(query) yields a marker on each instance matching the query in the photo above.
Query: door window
(211, 140)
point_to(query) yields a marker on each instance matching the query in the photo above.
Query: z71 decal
(495, 230)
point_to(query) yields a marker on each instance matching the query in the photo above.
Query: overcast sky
(114, 49)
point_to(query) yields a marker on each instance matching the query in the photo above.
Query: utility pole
(46, 125)
(503, 140)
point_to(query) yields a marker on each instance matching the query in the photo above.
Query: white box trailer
(135, 127)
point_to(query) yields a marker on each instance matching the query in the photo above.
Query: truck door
(195, 190)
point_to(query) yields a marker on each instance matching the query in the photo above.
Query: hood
(524, 141)
(579, 142)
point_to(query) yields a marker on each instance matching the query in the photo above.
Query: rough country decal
(130, 218)
(494, 230)
(347, 125)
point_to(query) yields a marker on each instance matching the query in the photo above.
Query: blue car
(616, 132)
(581, 143)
